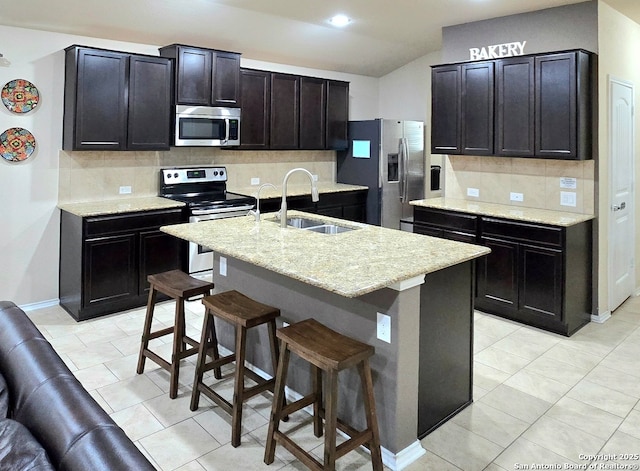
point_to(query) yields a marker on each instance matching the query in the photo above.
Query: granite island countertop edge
(349, 264)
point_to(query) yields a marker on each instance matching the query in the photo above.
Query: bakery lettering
(497, 50)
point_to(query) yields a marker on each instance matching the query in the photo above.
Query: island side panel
(394, 365)
(446, 345)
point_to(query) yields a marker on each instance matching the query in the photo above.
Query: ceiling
(383, 36)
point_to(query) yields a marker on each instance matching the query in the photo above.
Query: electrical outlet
(384, 327)
(517, 197)
(255, 181)
(223, 266)
(473, 192)
(125, 190)
(568, 198)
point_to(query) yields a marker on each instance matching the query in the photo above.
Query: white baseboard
(601, 318)
(39, 305)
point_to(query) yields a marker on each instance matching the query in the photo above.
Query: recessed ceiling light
(340, 20)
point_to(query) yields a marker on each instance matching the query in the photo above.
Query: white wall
(29, 236)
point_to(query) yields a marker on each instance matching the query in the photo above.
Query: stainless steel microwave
(207, 126)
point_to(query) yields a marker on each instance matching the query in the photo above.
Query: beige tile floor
(540, 398)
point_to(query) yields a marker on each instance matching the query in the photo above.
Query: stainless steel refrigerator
(387, 156)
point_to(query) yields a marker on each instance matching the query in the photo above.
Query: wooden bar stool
(177, 285)
(243, 313)
(331, 352)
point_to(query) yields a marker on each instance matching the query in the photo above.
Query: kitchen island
(347, 280)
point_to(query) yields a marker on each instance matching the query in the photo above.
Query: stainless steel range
(204, 190)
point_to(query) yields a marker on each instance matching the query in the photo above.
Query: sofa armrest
(47, 398)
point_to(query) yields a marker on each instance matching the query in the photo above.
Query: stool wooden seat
(177, 285)
(331, 352)
(242, 313)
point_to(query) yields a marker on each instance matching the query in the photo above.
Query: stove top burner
(202, 188)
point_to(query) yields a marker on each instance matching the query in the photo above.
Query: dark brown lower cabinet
(105, 260)
(350, 205)
(536, 274)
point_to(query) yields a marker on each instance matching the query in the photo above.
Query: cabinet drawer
(101, 225)
(522, 231)
(446, 219)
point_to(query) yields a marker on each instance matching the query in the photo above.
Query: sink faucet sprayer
(256, 213)
(283, 207)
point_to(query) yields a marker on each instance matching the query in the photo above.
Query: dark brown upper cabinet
(255, 86)
(446, 135)
(284, 111)
(204, 77)
(563, 106)
(313, 114)
(116, 101)
(477, 108)
(529, 106)
(337, 114)
(515, 92)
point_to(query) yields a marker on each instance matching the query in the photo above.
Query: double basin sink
(315, 225)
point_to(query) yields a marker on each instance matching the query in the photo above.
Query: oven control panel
(172, 176)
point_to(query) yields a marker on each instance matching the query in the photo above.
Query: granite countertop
(295, 189)
(120, 205)
(519, 213)
(350, 264)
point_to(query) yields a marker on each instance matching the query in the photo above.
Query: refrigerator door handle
(403, 151)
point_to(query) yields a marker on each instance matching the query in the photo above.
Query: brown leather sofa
(42, 394)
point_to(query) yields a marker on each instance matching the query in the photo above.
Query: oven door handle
(226, 128)
(220, 211)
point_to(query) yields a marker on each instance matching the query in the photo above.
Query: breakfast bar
(408, 295)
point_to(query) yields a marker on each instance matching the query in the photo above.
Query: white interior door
(621, 220)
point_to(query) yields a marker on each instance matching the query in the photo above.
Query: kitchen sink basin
(330, 229)
(315, 225)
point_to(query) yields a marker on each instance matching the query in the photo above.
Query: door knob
(619, 207)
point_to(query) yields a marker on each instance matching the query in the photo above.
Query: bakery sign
(497, 51)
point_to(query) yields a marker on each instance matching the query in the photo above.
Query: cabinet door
(225, 79)
(541, 281)
(149, 124)
(337, 115)
(313, 99)
(515, 107)
(110, 272)
(498, 273)
(159, 252)
(556, 106)
(255, 100)
(284, 128)
(477, 108)
(99, 119)
(445, 110)
(193, 85)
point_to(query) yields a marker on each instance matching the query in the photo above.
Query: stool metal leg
(278, 401)
(238, 390)
(146, 330)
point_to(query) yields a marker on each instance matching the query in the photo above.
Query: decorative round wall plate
(17, 144)
(20, 96)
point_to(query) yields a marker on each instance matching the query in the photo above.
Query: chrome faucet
(256, 213)
(283, 206)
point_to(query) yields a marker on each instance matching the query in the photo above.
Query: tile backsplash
(96, 176)
(538, 180)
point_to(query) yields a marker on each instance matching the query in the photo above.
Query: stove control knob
(175, 175)
(168, 175)
(215, 173)
(221, 172)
